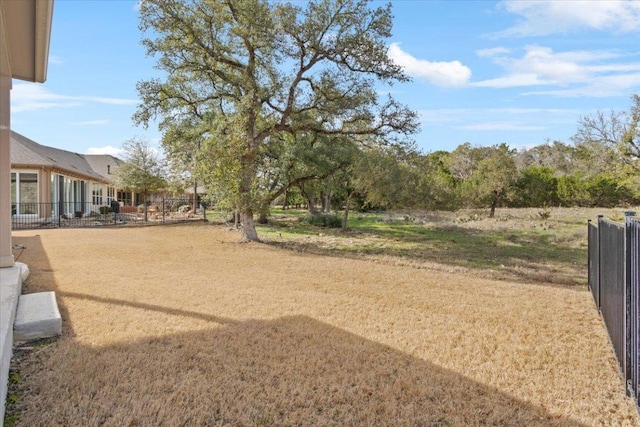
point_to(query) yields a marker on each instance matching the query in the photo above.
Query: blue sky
(484, 72)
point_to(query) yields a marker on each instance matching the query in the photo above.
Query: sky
(483, 72)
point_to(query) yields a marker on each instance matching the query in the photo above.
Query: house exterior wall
(76, 193)
(44, 184)
(6, 245)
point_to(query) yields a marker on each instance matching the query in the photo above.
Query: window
(96, 193)
(24, 193)
(111, 194)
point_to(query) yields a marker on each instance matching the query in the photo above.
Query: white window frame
(17, 199)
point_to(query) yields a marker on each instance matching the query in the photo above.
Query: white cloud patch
(541, 18)
(90, 123)
(491, 52)
(499, 119)
(444, 74)
(107, 149)
(501, 126)
(30, 96)
(575, 73)
(55, 60)
(600, 87)
(514, 80)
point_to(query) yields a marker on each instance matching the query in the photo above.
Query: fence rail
(65, 214)
(614, 281)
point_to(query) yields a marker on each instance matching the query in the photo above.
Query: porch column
(6, 246)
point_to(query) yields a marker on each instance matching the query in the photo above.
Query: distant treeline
(599, 167)
(552, 174)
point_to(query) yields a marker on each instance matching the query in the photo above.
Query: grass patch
(189, 326)
(518, 244)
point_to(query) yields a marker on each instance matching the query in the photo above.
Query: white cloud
(501, 126)
(90, 123)
(29, 97)
(55, 60)
(107, 149)
(576, 73)
(514, 80)
(445, 74)
(499, 119)
(599, 87)
(494, 51)
(541, 18)
(111, 101)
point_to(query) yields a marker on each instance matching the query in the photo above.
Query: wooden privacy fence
(614, 281)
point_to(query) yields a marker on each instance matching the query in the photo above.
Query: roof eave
(44, 19)
(27, 28)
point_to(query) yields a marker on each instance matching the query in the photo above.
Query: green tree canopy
(254, 70)
(142, 172)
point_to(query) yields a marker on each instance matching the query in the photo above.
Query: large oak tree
(256, 72)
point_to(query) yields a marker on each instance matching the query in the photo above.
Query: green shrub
(324, 220)
(105, 210)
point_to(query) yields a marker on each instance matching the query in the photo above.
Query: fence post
(627, 298)
(600, 217)
(589, 260)
(163, 219)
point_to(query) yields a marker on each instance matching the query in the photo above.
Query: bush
(536, 187)
(105, 210)
(324, 220)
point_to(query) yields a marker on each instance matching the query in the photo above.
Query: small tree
(142, 170)
(486, 174)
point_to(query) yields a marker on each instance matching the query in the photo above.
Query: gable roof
(104, 164)
(26, 152)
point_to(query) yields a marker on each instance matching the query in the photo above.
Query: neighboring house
(48, 182)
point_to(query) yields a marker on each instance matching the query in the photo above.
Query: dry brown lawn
(184, 325)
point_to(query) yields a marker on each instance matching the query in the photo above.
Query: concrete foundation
(37, 317)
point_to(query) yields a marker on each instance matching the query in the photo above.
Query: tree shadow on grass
(290, 371)
(512, 255)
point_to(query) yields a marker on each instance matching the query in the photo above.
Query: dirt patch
(185, 325)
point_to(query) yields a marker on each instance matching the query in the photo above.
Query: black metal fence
(65, 214)
(633, 236)
(614, 281)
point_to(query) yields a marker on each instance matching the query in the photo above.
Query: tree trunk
(195, 197)
(326, 203)
(247, 226)
(312, 205)
(144, 201)
(345, 219)
(247, 174)
(494, 203)
(264, 212)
